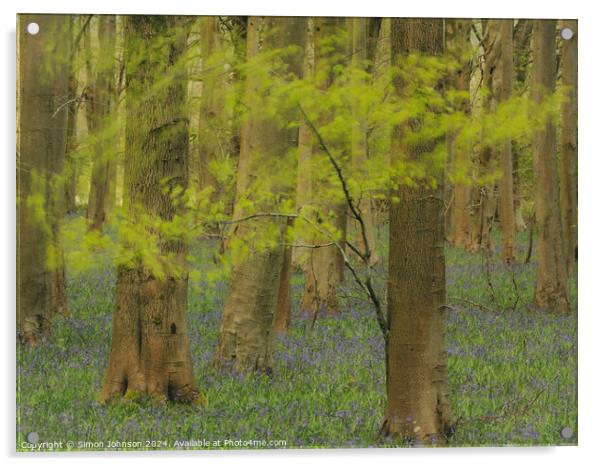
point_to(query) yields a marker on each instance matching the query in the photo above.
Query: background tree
(100, 98)
(503, 91)
(43, 90)
(551, 288)
(246, 332)
(417, 400)
(150, 351)
(325, 266)
(568, 146)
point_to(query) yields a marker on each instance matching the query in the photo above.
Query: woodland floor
(512, 370)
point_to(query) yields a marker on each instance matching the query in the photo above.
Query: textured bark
(358, 49)
(246, 336)
(283, 307)
(43, 87)
(502, 92)
(213, 128)
(418, 407)
(568, 147)
(459, 30)
(99, 104)
(521, 45)
(551, 288)
(150, 351)
(325, 266)
(306, 148)
(72, 107)
(486, 202)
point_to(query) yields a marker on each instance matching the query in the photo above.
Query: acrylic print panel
(295, 232)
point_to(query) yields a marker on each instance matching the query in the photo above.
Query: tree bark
(150, 353)
(418, 407)
(460, 159)
(246, 336)
(325, 266)
(486, 202)
(358, 49)
(503, 91)
(99, 104)
(551, 288)
(43, 87)
(568, 147)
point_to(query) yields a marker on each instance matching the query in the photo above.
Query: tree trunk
(358, 49)
(418, 408)
(325, 266)
(150, 351)
(72, 107)
(568, 147)
(247, 330)
(43, 87)
(551, 288)
(503, 91)
(486, 192)
(459, 30)
(283, 306)
(99, 103)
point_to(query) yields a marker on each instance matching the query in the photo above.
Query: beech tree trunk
(325, 266)
(150, 351)
(72, 107)
(551, 288)
(459, 30)
(502, 92)
(418, 407)
(568, 147)
(486, 202)
(358, 49)
(246, 336)
(43, 88)
(99, 104)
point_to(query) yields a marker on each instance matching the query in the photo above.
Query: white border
(590, 172)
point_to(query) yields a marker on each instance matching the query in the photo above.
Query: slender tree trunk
(70, 164)
(459, 30)
(150, 351)
(99, 104)
(486, 192)
(522, 58)
(246, 335)
(283, 307)
(503, 92)
(358, 49)
(306, 149)
(568, 147)
(325, 267)
(551, 289)
(43, 88)
(418, 407)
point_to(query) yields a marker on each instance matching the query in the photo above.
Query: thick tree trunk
(99, 103)
(72, 107)
(459, 30)
(551, 289)
(150, 351)
(283, 307)
(43, 88)
(247, 330)
(325, 266)
(568, 147)
(502, 92)
(418, 407)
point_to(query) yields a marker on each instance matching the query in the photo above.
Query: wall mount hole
(33, 29)
(566, 33)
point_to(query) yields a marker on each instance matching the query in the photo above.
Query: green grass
(512, 372)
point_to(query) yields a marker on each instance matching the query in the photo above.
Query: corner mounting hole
(33, 28)
(173, 329)
(566, 33)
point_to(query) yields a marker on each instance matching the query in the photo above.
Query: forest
(239, 232)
